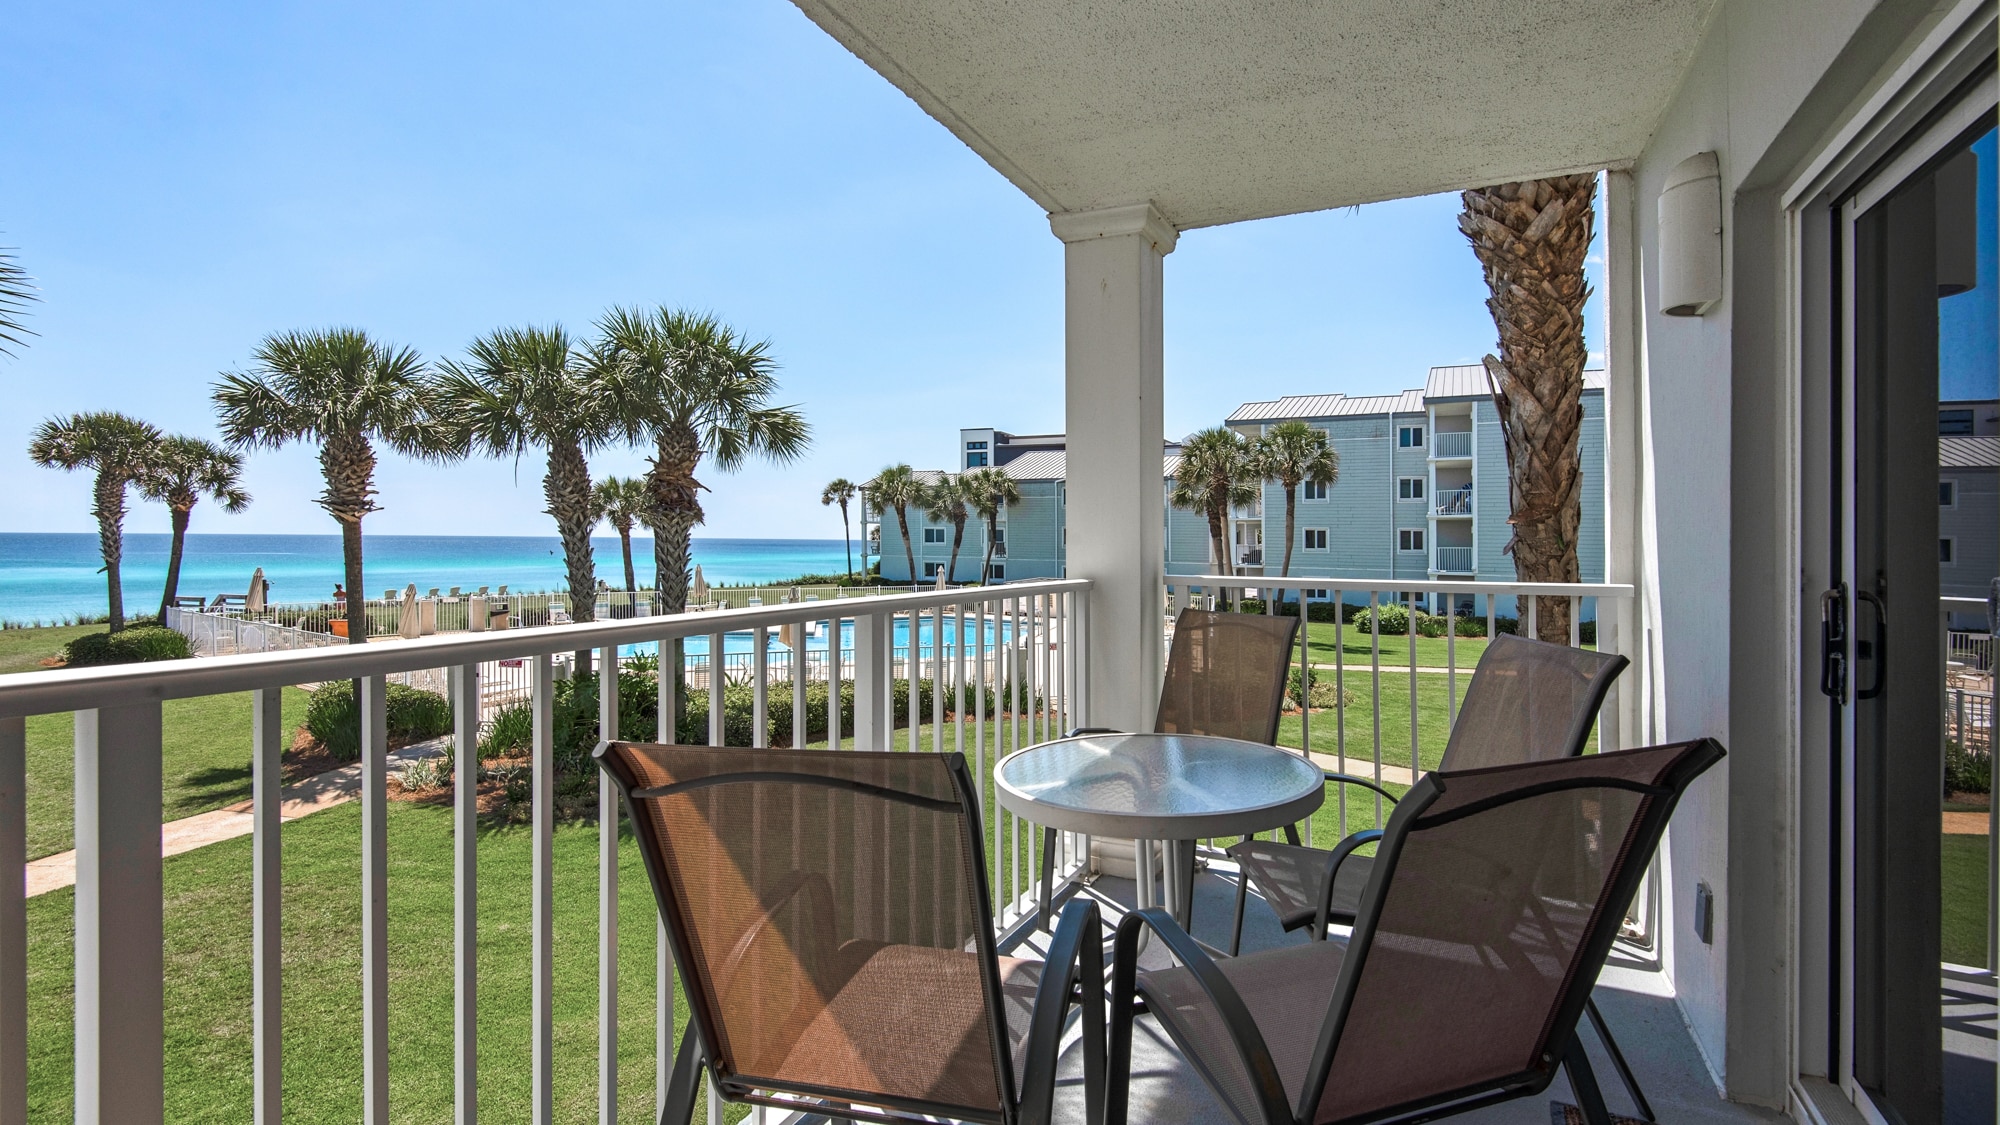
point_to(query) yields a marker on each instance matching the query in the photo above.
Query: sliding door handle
(1875, 652)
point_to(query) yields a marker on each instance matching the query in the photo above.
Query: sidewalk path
(321, 791)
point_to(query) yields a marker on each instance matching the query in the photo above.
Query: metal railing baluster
(607, 895)
(267, 742)
(718, 734)
(14, 924)
(542, 768)
(1340, 698)
(760, 674)
(1416, 752)
(833, 645)
(374, 900)
(1375, 680)
(465, 893)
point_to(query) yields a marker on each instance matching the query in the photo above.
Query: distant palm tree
(897, 489)
(118, 448)
(1215, 475)
(946, 501)
(179, 472)
(990, 491)
(17, 289)
(1293, 453)
(622, 500)
(528, 388)
(841, 491)
(344, 392)
(693, 386)
(1531, 238)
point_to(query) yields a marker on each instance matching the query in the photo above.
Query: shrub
(334, 719)
(426, 773)
(1966, 771)
(132, 646)
(1394, 620)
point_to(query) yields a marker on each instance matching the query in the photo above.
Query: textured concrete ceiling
(1222, 111)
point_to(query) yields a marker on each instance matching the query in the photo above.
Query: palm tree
(528, 388)
(990, 491)
(118, 448)
(896, 489)
(694, 387)
(1215, 475)
(945, 501)
(622, 500)
(1293, 453)
(1530, 239)
(840, 491)
(17, 289)
(180, 471)
(345, 392)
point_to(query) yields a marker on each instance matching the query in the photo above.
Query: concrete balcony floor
(1634, 996)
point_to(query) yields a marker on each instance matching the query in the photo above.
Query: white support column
(120, 962)
(872, 722)
(1622, 622)
(1112, 312)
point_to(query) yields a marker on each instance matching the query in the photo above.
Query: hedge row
(130, 646)
(1396, 619)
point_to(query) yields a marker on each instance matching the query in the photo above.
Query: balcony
(1455, 502)
(1453, 560)
(1451, 445)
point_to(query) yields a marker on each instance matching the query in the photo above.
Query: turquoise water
(745, 643)
(46, 577)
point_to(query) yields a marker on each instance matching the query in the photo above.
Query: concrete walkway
(321, 791)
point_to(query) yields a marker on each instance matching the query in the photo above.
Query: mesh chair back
(807, 895)
(1496, 896)
(1529, 701)
(1226, 675)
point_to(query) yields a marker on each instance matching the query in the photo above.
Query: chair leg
(1292, 834)
(1583, 1082)
(1625, 1074)
(1047, 920)
(685, 1080)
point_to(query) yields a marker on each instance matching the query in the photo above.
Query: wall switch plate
(1704, 913)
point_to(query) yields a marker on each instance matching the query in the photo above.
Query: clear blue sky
(182, 181)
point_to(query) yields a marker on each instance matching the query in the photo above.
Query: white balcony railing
(1447, 445)
(1454, 560)
(1019, 646)
(1455, 502)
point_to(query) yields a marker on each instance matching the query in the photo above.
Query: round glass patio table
(1171, 788)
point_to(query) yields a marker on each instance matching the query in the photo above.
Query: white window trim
(1421, 490)
(1422, 431)
(1306, 490)
(1305, 539)
(1402, 535)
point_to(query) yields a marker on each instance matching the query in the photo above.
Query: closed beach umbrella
(941, 578)
(408, 623)
(700, 587)
(253, 602)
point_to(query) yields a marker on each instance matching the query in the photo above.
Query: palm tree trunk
(986, 562)
(109, 509)
(847, 538)
(625, 544)
(909, 552)
(180, 520)
(1531, 238)
(566, 486)
(1220, 537)
(1291, 513)
(357, 601)
(957, 539)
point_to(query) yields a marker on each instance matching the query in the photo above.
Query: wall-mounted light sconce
(1691, 237)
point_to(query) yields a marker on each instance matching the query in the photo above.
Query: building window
(1315, 539)
(1954, 423)
(1410, 539)
(1410, 437)
(931, 569)
(974, 460)
(1315, 490)
(1947, 550)
(934, 535)
(999, 571)
(975, 445)
(1320, 592)
(1409, 488)
(1947, 494)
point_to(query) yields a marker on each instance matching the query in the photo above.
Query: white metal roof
(1219, 112)
(1048, 464)
(1969, 452)
(1327, 406)
(1469, 381)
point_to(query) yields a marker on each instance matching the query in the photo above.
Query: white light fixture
(1691, 237)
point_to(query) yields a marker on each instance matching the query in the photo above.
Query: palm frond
(17, 292)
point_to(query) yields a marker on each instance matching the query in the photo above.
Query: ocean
(47, 577)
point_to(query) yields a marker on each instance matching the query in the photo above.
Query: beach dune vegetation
(118, 448)
(343, 391)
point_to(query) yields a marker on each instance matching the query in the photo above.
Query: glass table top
(1159, 786)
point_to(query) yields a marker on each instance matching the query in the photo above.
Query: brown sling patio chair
(1479, 935)
(1225, 678)
(831, 918)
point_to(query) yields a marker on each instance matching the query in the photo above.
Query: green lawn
(1964, 907)
(1356, 647)
(23, 650)
(205, 750)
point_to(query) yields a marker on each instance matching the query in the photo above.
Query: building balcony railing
(1456, 502)
(1451, 445)
(1454, 560)
(1005, 665)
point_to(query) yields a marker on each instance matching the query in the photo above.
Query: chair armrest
(1347, 847)
(1252, 1052)
(1072, 973)
(1092, 730)
(820, 902)
(1350, 779)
